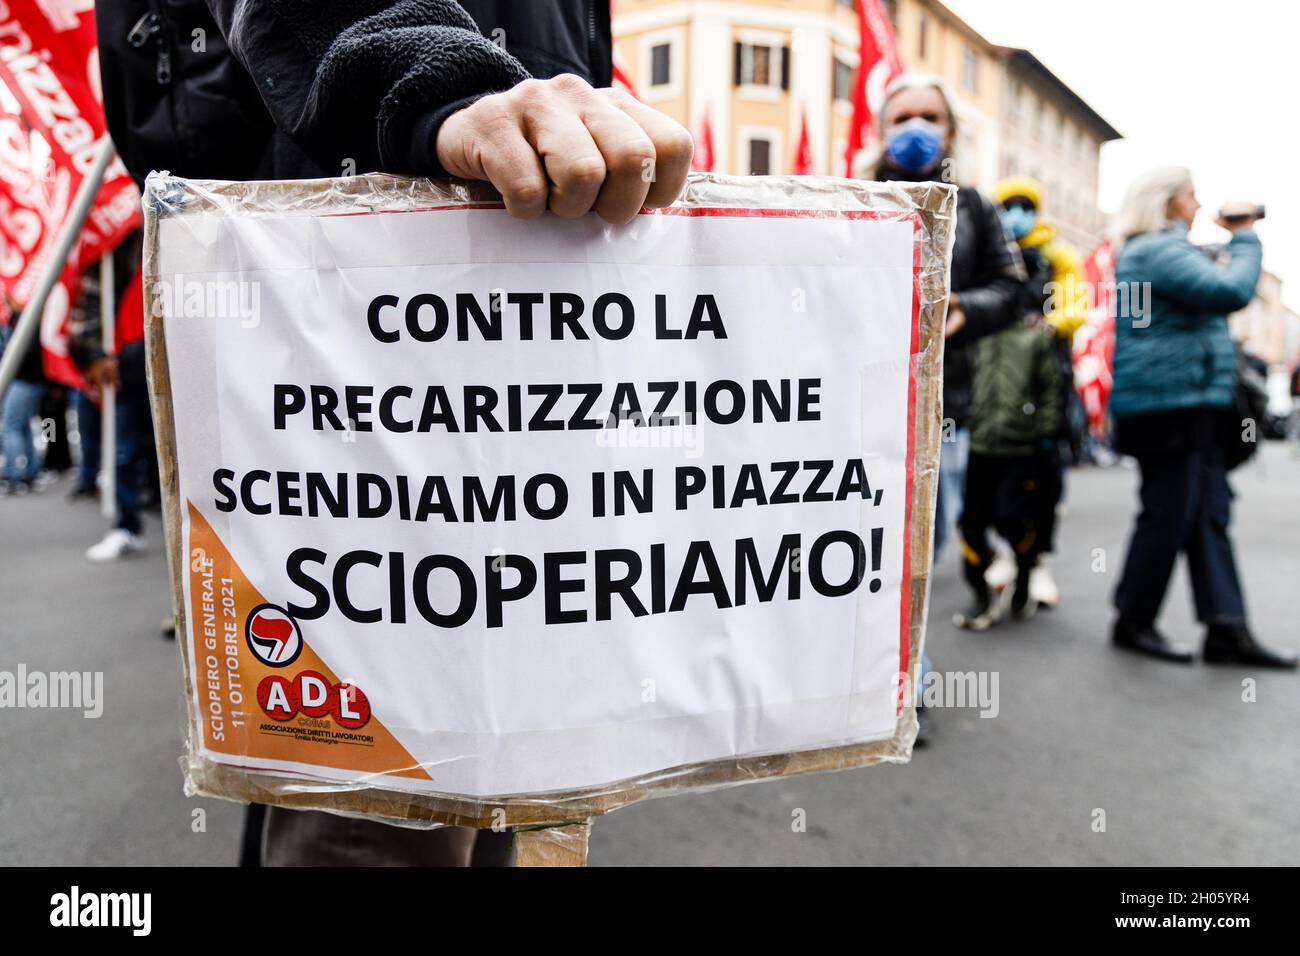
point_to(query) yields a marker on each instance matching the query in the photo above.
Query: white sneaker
(1042, 586)
(1001, 573)
(118, 543)
(44, 480)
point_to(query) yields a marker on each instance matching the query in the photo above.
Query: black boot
(1146, 640)
(1232, 643)
(1023, 605)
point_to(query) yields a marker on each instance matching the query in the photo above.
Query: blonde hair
(1146, 201)
(868, 159)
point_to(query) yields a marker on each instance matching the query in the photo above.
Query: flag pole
(108, 394)
(29, 322)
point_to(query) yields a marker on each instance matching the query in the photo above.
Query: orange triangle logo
(262, 691)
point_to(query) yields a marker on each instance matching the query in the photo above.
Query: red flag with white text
(878, 65)
(51, 121)
(1094, 343)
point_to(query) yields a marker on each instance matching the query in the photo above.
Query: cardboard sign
(470, 512)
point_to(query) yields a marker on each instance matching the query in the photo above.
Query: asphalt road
(1182, 769)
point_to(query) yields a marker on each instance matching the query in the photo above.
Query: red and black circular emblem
(273, 635)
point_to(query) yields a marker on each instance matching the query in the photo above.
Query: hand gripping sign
(481, 521)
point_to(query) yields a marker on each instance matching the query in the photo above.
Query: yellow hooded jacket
(1067, 304)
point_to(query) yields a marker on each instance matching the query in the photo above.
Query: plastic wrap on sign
(485, 522)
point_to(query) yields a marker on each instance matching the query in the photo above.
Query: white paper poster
(497, 508)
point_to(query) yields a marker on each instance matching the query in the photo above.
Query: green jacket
(1017, 408)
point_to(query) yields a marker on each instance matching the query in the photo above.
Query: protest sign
(482, 521)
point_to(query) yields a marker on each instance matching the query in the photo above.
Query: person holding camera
(1172, 402)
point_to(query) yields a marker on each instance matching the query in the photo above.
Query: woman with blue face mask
(914, 143)
(916, 129)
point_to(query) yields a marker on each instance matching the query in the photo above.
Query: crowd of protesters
(418, 89)
(37, 407)
(1011, 415)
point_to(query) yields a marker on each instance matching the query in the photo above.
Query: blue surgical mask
(1019, 221)
(915, 146)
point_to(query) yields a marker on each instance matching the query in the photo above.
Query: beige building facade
(1266, 327)
(760, 69)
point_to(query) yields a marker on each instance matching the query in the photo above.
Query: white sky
(1207, 84)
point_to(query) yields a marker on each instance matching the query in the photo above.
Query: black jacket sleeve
(994, 301)
(365, 80)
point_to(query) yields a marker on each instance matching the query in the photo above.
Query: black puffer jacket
(291, 89)
(988, 275)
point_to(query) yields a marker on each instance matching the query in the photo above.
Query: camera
(1240, 212)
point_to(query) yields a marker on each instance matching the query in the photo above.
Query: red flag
(620, 77)
(1094, 343)
(702, 161)
(803, 159)
(51, 120)
(878, 65)
(129, 326)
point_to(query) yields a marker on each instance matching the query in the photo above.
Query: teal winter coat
(1172, 347)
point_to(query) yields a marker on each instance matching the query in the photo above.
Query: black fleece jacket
(285, 89)
(988, 276)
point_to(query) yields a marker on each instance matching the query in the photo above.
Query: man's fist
(562, 145)
(102, 373)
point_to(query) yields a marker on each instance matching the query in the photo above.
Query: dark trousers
(1002, 494)
(134, 422)
(314, 838)
(88, 434)
(1185, 507)
(1051, 490)
(54, 409)
(278, 837)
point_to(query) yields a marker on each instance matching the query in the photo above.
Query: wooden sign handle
(553, 846)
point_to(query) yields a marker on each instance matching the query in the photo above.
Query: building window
(661, 61)
(760, 157)
(1013, 101)
(756, 65)
(922, 36)
(763, 65)
(970, 70)
(891, 8)
(660, 70)
(843, 81)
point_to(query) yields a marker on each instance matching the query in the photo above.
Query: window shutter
(785, 68)
(737, 71)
